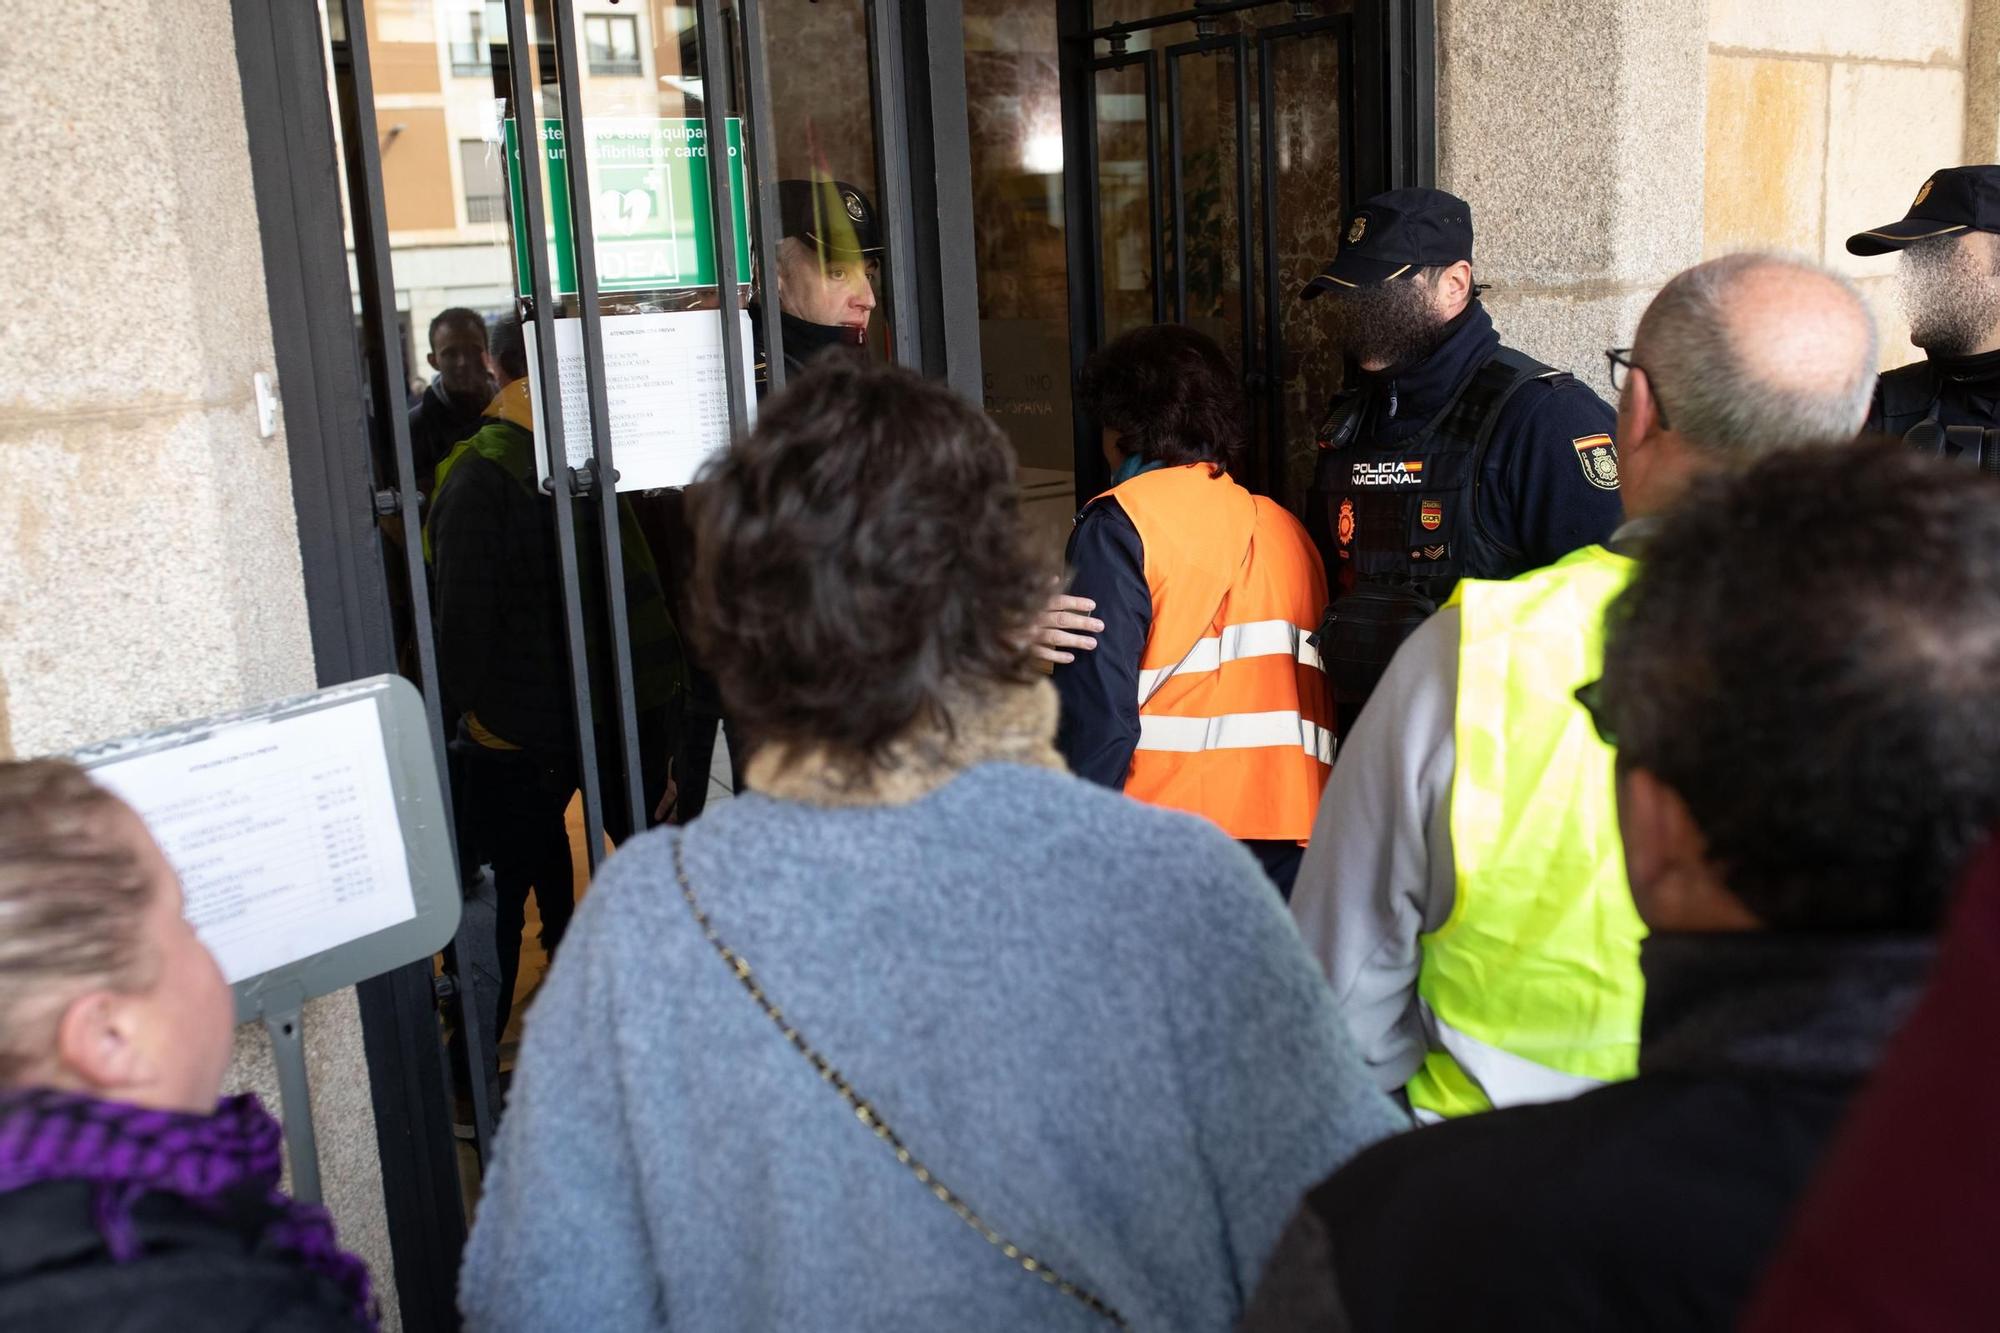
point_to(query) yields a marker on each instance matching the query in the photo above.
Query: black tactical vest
(1408, 515)
(1906, 396)
(1405, 520)
(1909, 406)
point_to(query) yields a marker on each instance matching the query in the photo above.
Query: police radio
(1974, 446)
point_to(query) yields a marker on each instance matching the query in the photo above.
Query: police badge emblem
(853, 203)
(1923, 194)
(1431, 515)
(1598, 457)
(1344, 525)
(1357, 231)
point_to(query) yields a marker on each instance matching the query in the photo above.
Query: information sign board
(310, 836)
(666, 387)
(649, 206)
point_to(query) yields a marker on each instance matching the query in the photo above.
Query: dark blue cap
(1394, 235)
(1956, 199)
(832, 216)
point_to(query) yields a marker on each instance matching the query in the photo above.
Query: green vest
(1532, 984)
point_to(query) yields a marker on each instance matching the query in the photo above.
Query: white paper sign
(284, 832)
(666, 389)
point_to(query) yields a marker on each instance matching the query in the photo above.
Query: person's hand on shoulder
(1063, 629)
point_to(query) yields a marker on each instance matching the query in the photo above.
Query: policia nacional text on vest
(1407, 517)
(1944, 406)
(1401, 523)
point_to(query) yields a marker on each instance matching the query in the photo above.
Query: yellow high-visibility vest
(1532, 985)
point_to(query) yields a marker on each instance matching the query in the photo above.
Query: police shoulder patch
(1598, 457)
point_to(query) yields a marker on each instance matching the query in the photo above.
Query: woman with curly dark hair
(1202, 693)
(858, 1049)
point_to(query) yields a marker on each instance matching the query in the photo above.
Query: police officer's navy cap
(1394, 235)
(1957, 199)
(831, 216)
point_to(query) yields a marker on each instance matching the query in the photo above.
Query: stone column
(1574, 128)
(151, 564)
(1824, 118)
(1982, 81)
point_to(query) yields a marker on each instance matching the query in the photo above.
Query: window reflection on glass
(1124, 208)
(1306, 148)
(611, 44)
(1014, 99)
(475, 29)
(824, 132)
(485, 186)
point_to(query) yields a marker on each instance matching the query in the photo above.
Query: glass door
(571, 256)
(1224, 142)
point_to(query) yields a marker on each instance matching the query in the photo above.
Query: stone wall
(1825, 116)
(149, 558)
(1574, 129)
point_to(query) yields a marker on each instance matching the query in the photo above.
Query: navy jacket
(1646, 1205)
(1959, 390)
(438, 422)
(1535, 494)
(1100, 689)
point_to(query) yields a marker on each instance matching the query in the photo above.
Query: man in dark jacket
(453, 408)
(1800, 778)
(1453, 456)
(1948, 276)
(504, 663)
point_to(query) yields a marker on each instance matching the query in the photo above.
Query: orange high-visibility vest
(1235, 720)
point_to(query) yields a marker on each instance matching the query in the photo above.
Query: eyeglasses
(1591, 695)
(1622, 366)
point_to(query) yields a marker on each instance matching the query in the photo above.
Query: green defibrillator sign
(649, 206)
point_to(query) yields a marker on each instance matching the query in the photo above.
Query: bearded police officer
(1451, 456)
(1949, 282)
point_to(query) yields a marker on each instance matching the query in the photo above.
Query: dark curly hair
(1171, 395)
(860, 563)
(1810, 657)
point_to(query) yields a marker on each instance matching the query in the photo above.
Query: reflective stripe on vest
(1235, 722)
(1236, 731)
(1532, 986)
(1263, 638)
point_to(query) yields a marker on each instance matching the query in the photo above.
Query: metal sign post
(314, 850)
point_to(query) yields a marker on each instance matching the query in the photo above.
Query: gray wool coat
(1092, 1019)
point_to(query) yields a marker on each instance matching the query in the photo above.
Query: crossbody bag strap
(870, 1118)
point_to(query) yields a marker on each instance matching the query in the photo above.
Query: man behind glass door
(504, 665)
(829, 259)
(453, 407)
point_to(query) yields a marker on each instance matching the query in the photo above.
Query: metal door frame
(1389, 140)
(917, 74)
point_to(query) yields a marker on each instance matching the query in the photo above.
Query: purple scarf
(129, 1151)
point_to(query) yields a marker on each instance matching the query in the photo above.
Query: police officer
(1949, 280)
(829, 257)
(827, 265)
(1450, 456)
